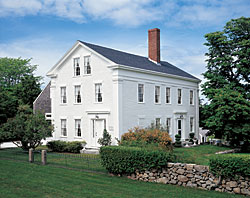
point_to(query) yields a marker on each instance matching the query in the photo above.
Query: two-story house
(94, 87)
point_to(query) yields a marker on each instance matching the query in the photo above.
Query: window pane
(78, 128)
(87, 68)
(76, 66)
(63, 95)
(157, 94)
(78, 94)
(140, 93)
(179, 96)
(98, 92)
(191, 97)
(63, 127)
(168, 95)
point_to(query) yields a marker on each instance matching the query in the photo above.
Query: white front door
(97, 132)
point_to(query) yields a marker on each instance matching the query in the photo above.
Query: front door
(179, 126)
(97, 132)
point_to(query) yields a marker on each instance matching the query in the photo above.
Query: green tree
(27, 128)
(227, 85)
(18, 85)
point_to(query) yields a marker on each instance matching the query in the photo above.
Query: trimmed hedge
(126, 160)
(62, 146)
(230, 165)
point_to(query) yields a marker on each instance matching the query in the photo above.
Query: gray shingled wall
(43, 102)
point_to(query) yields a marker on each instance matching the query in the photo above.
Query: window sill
(77, 76)
(77, 103)
(64, 136)
(141, 102)
(179, 104)
(98, 102)
(168, 103)
(157, 103)
(87, 75)
(77, 137)
(191, 105)
(63, 104)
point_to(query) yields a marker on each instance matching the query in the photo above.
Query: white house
(94, 87)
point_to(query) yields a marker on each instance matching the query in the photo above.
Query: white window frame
(191, 97)
(169, 124)
(169, 96)
(159, 94)
(191, 122)
(77, 88)
(77, 122)
(138, 93)
(64, 128)
(87, 67)
(76, 64)
(179, 96)
(96, 94)
(63, 94)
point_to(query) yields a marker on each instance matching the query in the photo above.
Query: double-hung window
(78, 132)
(77, 67)
(98, 92)
(87, 68)
(191, 97)
(179, 96)
(191, 124)
(63, 95)
(157, 122)
(157, 94)
(140, 93)
(168, 125)
(167, 95)
(77, 94)
(63, 127)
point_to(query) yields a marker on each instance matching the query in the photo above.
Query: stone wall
(193, 175)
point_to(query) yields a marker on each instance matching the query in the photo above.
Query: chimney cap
(154, 29)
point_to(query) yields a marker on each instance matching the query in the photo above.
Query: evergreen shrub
(126, 160)
(63, 146)
(230, 165)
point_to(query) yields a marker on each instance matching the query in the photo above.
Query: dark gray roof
(43, 101)
(136, 61)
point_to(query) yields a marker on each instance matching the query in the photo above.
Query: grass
(22, 179)
(76, 161)
(197, 155)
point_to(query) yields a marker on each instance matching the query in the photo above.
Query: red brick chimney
(154, 45)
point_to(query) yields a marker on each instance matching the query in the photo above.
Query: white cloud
(37, 49)
(132, 12)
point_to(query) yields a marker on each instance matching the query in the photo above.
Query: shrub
(106, 138)
(62, 146)
(177, 140)
(151, 138)
(230, 165)
(126, 160)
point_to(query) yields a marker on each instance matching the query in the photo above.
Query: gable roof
(140, 62)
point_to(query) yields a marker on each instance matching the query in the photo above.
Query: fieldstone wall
(193, 175)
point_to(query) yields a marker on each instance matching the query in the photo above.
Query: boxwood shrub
(126, 160)
(230, 165)
(63, 146)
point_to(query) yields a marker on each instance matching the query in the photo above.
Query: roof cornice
(125, 67)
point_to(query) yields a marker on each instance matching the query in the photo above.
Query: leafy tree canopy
(26, 129)
(18, 85)
(227, 85)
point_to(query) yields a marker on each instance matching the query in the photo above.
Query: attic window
(87, 68)
(76, 66)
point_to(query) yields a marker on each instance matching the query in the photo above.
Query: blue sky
(45, 29)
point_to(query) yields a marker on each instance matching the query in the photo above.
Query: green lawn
(197, 155)
(22, 179)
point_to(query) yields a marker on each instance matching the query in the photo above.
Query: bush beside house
(126, 160)
(63, 146)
